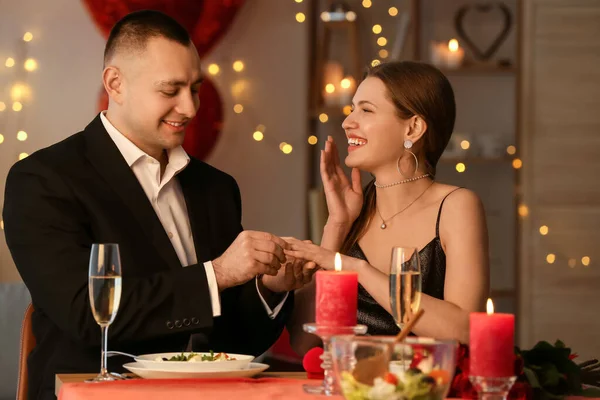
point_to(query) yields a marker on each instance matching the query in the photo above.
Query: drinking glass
(405, 284)
(105, 295)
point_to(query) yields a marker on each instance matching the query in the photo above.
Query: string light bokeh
(19, 94)
(14, 105)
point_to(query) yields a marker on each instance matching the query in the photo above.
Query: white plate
(149, 361)
(153, 373)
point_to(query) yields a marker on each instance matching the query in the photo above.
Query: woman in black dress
(402, 119)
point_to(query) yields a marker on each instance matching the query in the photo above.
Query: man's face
(160, 93)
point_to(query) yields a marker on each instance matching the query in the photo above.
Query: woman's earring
(408, 144)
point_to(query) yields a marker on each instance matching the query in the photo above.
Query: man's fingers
(270, 271)
(271, 248)
(258, 235)
(310, 265)
(267, 259)
(290, 279)
(297, 269)
(307, 275)
(265, 269)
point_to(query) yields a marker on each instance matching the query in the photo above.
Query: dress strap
(437, 224)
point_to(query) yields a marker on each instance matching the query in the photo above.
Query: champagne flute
(405, 284)
(105, 294)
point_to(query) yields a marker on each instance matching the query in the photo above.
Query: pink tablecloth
(205, 389)
(183, 389)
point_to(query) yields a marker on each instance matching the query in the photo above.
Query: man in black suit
(188, 267)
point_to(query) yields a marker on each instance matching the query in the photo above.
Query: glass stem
(328, 377)
(492, 388)
(103, 370)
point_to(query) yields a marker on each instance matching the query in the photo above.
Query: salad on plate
(198, 357)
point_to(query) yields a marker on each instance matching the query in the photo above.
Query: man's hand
(323, 258)
(252, 253)
(294, 275)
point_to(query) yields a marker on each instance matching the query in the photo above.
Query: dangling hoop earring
(407, 146)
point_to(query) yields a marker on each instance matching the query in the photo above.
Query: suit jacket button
(186, 322)
(169, 325)
(195, 321)
(177, 324)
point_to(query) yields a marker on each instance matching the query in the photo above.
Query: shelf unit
(494, 179)
(476, 160)
(481, 70)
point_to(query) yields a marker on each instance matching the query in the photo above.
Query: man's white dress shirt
(166, 197)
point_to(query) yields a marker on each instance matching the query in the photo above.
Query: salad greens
(198, 357)
(410, 385)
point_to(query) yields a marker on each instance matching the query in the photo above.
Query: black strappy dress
(433, 273)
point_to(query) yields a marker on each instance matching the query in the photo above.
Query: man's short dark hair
(132, 32)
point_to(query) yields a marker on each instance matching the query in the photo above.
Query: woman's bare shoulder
(459, 203)
(456, 197)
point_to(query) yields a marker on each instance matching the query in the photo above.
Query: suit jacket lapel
(110, 164)
(196, 203)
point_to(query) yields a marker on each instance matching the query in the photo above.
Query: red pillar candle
(492, 341)
(337, 296)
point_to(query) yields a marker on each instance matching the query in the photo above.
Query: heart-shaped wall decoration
(483, 8)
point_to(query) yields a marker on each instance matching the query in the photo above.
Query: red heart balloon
(202, 133)
(106, 13)
(207, 21)
(214, 21)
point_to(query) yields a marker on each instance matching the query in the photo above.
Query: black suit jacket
(61, 199)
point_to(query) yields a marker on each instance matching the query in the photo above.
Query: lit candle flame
(453, 45)
(338, 262)
(490, 307)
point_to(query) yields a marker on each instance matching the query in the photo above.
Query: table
(276, 385)
(61, 379)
